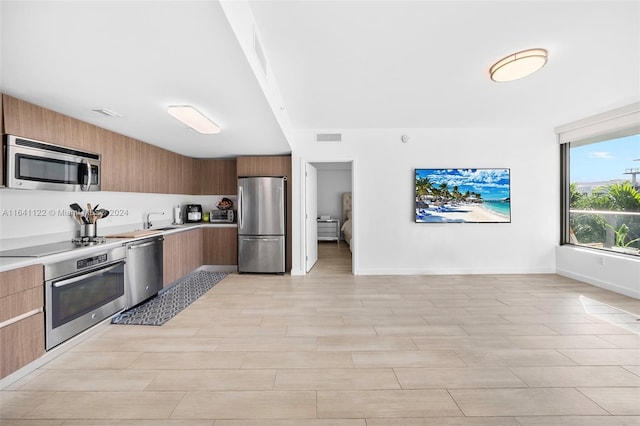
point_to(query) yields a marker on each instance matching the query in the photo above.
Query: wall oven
(34, 164)
(82, 292)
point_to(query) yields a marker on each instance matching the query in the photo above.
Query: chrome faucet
(147, 223)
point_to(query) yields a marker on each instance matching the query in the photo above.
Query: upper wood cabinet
(129, 165)
(264, 166)
(217, 176)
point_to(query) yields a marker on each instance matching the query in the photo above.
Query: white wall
(607, 270)
(331, 185)
(27, 215)
(384, 182)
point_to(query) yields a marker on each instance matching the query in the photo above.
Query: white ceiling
(137, 58)
(338, 64)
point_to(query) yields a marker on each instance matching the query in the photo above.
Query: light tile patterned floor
(333, 349)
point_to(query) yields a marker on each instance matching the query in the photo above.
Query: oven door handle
(77, 278)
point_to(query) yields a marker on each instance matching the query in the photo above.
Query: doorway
(329, 185)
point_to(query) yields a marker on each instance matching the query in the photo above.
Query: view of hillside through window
(605, 195)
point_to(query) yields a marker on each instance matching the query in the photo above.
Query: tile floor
(332, 349)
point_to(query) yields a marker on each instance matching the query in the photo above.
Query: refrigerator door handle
(281, 201)
(260, 239)
(240, 214)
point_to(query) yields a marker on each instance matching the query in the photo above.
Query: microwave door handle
(85, 175)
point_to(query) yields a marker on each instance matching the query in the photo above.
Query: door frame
(354, 209)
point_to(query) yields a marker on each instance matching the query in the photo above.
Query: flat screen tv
(463, 196)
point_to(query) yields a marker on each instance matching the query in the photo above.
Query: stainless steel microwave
(34, 164)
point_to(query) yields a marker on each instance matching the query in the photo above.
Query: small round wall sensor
(405, 138)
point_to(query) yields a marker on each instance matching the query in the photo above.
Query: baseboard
(218, 268)
(467, 271)
(599, 283)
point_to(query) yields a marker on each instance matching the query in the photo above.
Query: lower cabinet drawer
(22, 342)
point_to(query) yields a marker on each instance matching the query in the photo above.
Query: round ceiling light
(518, 65)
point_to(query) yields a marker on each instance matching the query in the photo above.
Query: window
(602, 193)
(600, 177)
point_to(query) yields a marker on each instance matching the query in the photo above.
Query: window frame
(618, 123)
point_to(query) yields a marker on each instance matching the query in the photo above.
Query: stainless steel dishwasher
(143, 270)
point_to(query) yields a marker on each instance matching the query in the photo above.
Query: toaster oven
(221, 216)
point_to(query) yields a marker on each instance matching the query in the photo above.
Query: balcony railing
(616, 231)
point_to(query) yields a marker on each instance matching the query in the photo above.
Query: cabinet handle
(21, 317)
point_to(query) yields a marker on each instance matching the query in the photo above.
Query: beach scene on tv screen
(463, 195)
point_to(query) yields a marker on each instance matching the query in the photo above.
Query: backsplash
(47, 216)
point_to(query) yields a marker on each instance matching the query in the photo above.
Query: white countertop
(9, 263)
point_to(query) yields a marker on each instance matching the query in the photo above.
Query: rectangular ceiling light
(194, 119)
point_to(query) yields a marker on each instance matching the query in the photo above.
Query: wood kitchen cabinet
(217, 176)
(279, 165)
(220, 246)
(129, 165)
(22, 318)
(182, 253)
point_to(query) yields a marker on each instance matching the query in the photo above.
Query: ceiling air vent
(328, 137)
(107, 112)
(257, 48)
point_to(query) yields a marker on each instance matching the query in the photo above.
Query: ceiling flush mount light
(518, 65)
(194, 119)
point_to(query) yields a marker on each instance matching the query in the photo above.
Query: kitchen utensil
(78, 217)
(103, 212)
(76, 207)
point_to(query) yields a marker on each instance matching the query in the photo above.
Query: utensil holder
(89, 230)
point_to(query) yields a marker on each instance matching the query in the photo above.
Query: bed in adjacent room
(347, 229)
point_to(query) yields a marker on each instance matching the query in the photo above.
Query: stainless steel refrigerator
(261, 224)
